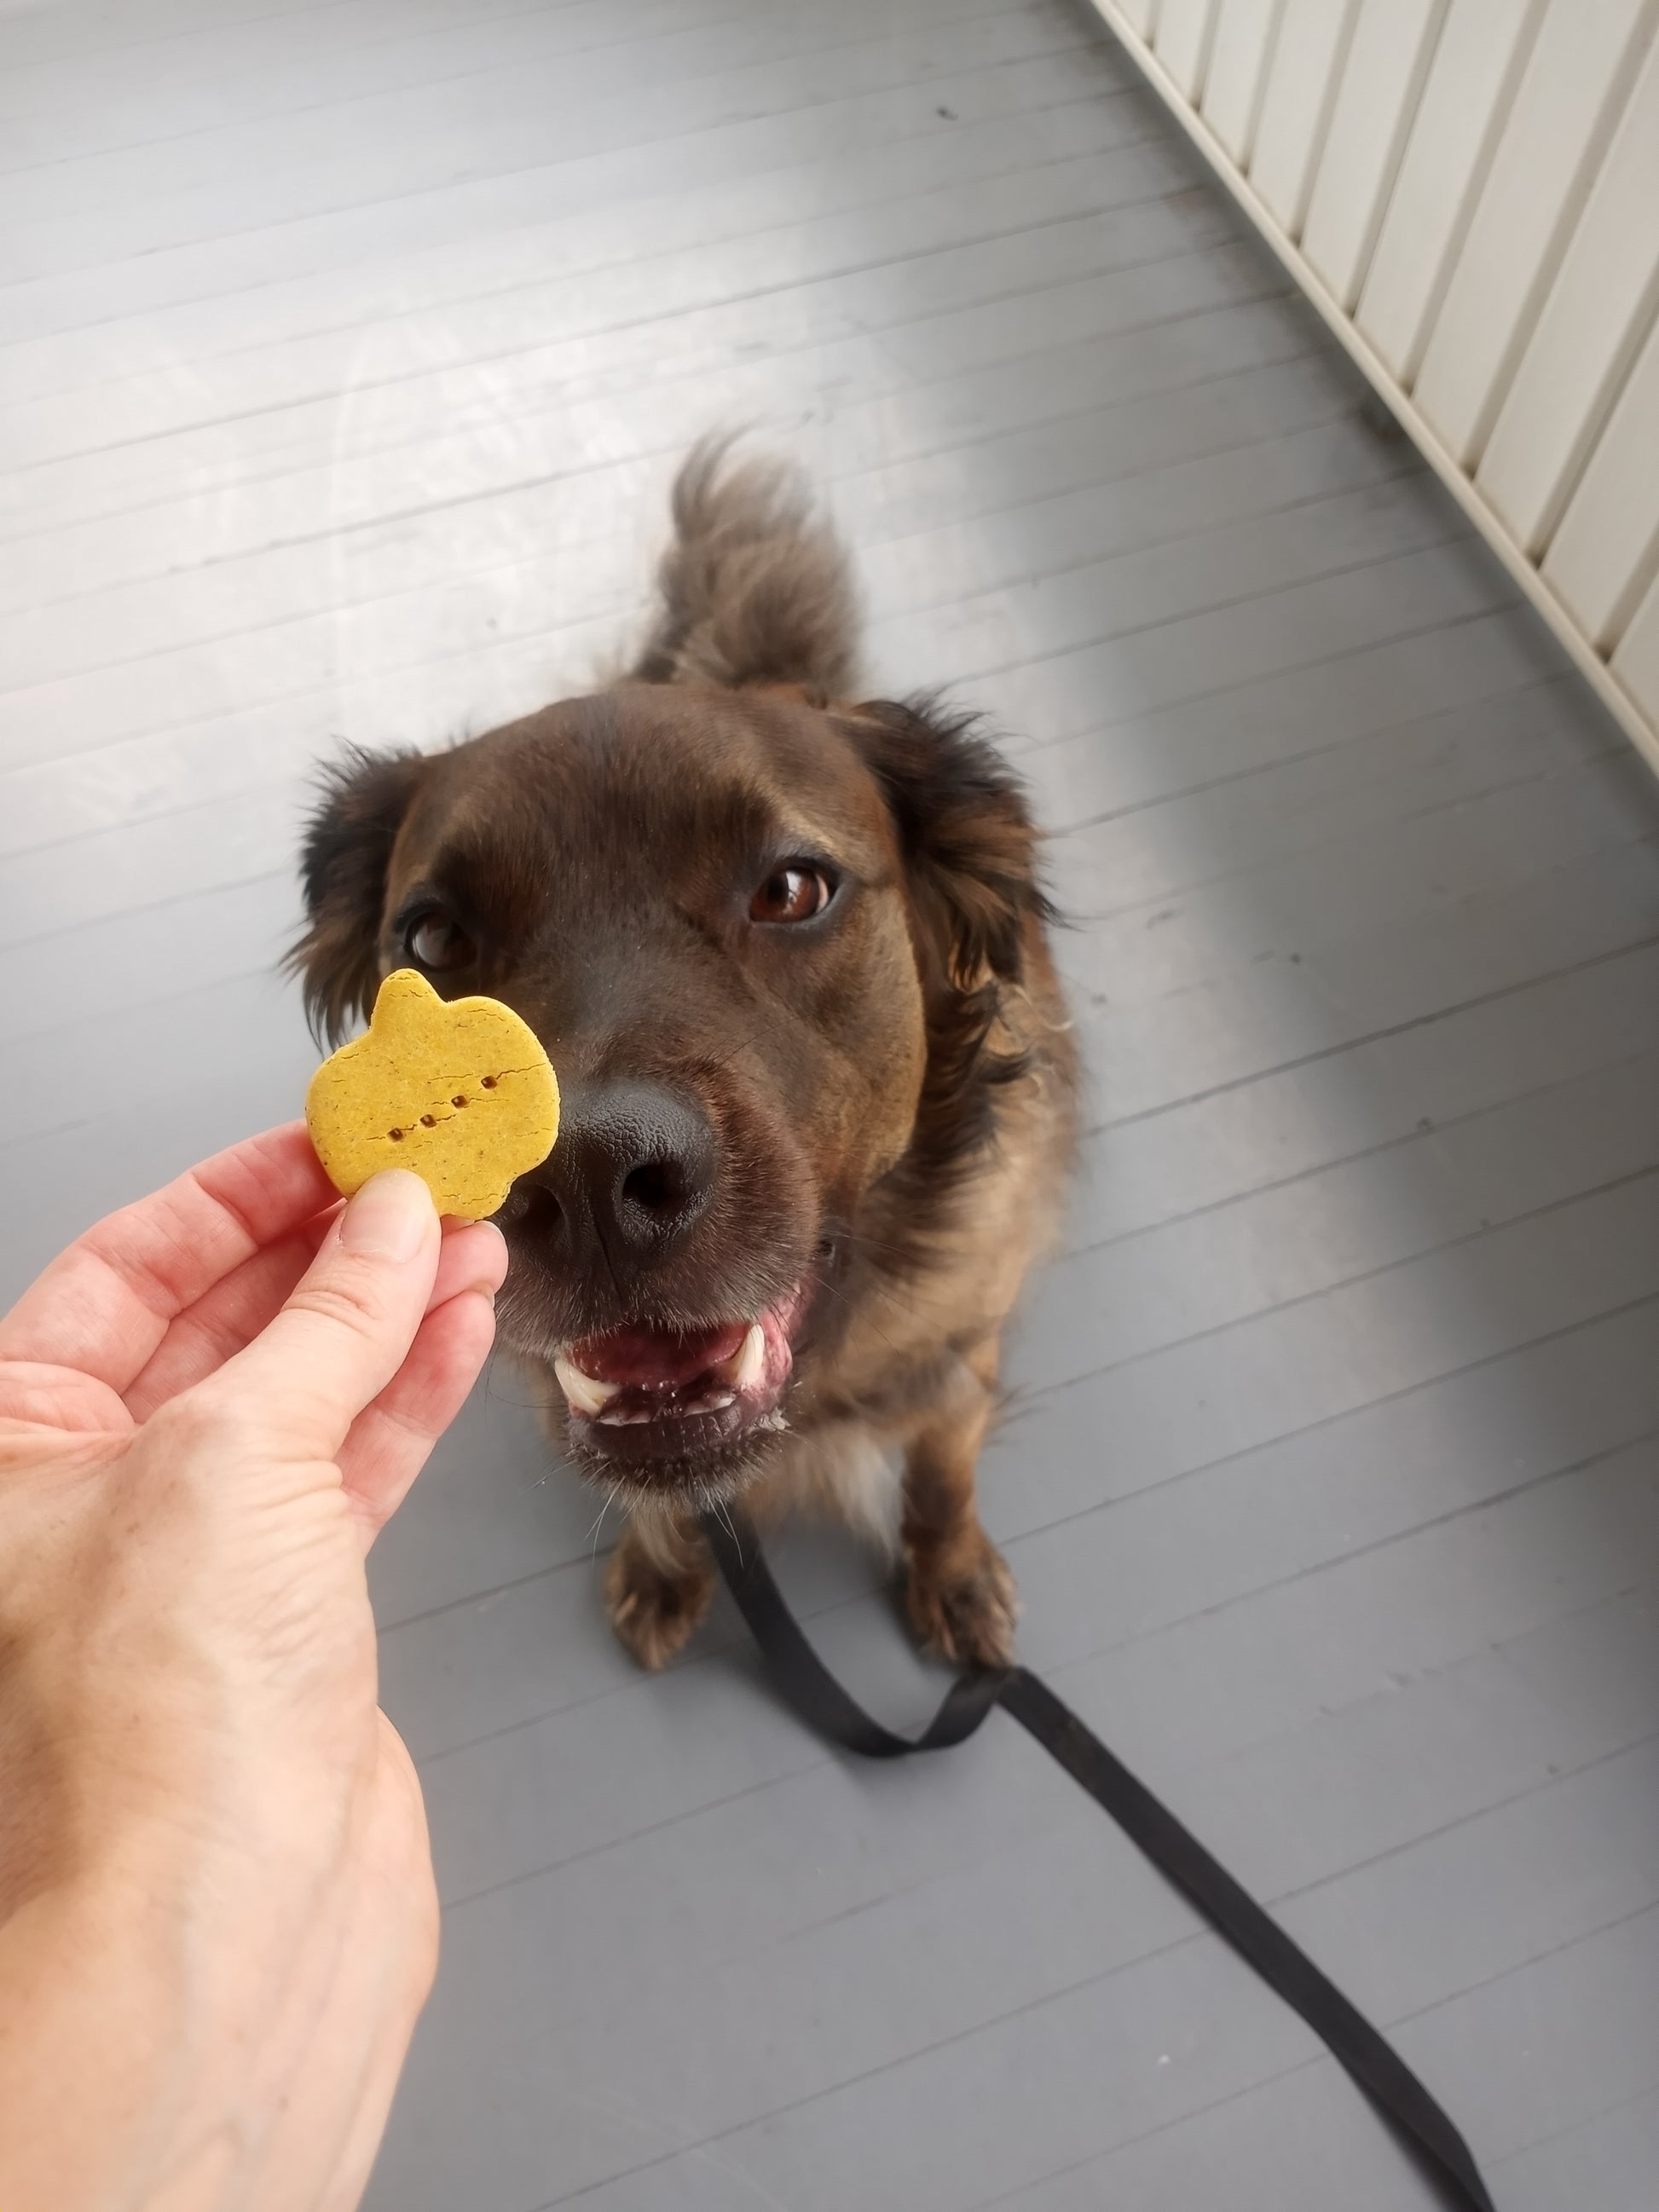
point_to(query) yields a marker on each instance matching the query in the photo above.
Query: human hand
(217, 1917)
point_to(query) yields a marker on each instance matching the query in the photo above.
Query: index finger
(105, 1304)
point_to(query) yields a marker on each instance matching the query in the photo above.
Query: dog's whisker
(593, 1533)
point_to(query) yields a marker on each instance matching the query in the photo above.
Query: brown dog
(787, 954)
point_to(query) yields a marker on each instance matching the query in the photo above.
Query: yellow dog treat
(461, 1092)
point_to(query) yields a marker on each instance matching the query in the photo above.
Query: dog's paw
(963, 1602)
(655, 1611)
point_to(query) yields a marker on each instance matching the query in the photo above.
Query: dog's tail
(756, 587)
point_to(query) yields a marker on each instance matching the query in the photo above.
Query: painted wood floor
(345, 352)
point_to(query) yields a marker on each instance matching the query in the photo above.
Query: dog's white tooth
(584, 1394)
(751, 1358)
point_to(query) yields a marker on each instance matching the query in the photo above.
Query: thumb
(348, 1323)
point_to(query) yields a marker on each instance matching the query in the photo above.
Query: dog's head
(761, 941)
(763, 937)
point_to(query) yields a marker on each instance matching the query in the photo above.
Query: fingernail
(389, 1218)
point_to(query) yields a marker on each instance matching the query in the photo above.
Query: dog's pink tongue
(656, 1359)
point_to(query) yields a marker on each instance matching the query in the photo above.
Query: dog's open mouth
(642, 1393)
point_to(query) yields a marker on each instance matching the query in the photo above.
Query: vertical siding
(1469, 192)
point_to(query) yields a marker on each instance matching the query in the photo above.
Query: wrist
(148, 2012)
(104, 2021)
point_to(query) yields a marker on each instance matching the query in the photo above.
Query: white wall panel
(1240, 51)
(1635, 664)
(1296, 108)
(1468, 192)
(1477, 60)
(1605, 554)
(1599, 310)
(1383, 77)
(1572, 93)
(1184, 29)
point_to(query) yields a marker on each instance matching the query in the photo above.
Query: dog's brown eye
(436, 942)
(793, 894)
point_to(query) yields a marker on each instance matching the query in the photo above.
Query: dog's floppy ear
(969, 840)
(343, 863)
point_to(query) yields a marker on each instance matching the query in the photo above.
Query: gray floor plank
(1146, 857)
(1151, 1056)
(1311, 1360)
(1609, 2160)
(994, 327)
(1169, 2030)
(245, 834)
(1065, 221)
(478, 239)
(503, 125)
(1210, 1269)
(476, 70)
(366, 48)
(344, 356)
(1318, 455)
(1249, 635)
(1038, 131)
(1266, 1129)
(1115, 765)
(968, 402)
(1138, 447)
(290, 640)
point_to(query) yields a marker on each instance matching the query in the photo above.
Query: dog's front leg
(658, 1584)
(961, 1595)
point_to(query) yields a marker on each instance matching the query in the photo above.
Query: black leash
(806, 1684)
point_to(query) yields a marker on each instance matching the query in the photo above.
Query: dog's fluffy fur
(888, 1089)
(754, 587)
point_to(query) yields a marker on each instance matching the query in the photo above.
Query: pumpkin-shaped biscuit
(461, 1092)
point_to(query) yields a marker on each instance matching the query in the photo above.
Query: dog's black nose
(634, 1168)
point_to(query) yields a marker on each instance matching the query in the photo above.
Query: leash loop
(805, 1684)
